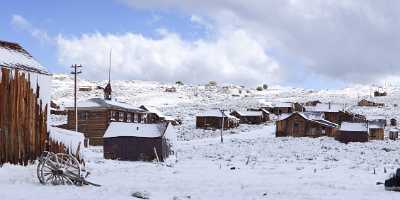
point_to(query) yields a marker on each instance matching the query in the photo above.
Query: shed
(135, 141)
(393, 134)
(304, 125)
(352, 132)
(249, 117)
(376, 131)
(213, 119)
(24, 100)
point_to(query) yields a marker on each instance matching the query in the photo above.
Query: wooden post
(75, 73)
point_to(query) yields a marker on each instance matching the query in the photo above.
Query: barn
(367, 103)
(249, 117)
(95, 114)
(139, 142)
(24, 99)
(213, 119)
(304, 125)
(352, 132)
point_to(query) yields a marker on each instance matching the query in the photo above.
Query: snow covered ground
(250, 164)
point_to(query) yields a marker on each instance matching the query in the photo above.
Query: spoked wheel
(59, 169)
(42, 158)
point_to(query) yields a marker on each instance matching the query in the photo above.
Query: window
(135, 117)
(129, 117)
(323, 131)
(113, 115)
(121, 116)
(83, 115)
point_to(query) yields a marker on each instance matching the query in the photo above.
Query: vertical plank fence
(23, 119)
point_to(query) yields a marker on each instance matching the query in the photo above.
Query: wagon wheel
(41, 160)
(60, 169)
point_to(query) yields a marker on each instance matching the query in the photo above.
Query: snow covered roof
(250, 113)
(310, 116)
(375, 117)
(70, 139)
(12, 55)
(375, 126)
(215, 113)
(102, 103)
(353, 127)
(120, 129)
(276, 104)
(324, 107)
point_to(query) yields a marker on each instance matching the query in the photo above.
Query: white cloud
(354, 41)
(234, 57)
(21, 23)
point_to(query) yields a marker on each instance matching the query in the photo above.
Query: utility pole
(223, 123)
(75, 72)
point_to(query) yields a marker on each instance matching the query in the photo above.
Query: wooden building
(279, 108)
(376, 131)
(335, 113)
(24, 99)
(213, 120)
(367, 103)
(135, 141)
(266, 114)
(352, 132)
(394, 134)
(312, 103)
(250, 117)
(393, 122)
(95, 115)
(377, 119)
(305, 125)
(156, 115)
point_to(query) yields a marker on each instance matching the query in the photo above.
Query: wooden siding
(215, 122)
(23, 119)
(376, 133)
(351, 136)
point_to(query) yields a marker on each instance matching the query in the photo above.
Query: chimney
(107, 92)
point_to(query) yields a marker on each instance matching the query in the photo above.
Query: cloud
(23, 24)
(354, 41)
(234, 57)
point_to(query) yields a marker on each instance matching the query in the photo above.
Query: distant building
(335, 113)
(394, 134)
(135, 141)
(376, 131)
(250, 117)
(352, 132)
(155, 115)
(279, 108)
(367, 103)
(304, 125)
(213, 119)
(266, 113)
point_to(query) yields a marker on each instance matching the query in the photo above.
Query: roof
(375, 117)
(249, 113)
(122, 129)
(102, 103)
(325, 107)
(70, 139)
(12, 55)
(277, 104)
(375, 126)
(354, 127)
(215, 113)
(313, 117)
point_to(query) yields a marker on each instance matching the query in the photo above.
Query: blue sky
(303, 44)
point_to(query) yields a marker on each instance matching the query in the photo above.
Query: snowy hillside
(250, 164)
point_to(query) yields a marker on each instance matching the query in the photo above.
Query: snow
(249, 113)
(120, 129)
(71, 139)
(101, 103)
(14, 58)
(215, 113)
(250, 164)
(325, 107)
(353, 127)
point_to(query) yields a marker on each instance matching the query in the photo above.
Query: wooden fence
(23, 119)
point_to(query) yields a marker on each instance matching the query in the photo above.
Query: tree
(265, 86)
(179, 82)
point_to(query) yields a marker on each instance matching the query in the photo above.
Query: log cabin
(135, 141)
(249, 117)
(367, 103)
(304, 125)
(24, 101)
(352, 132)
(95, 115)
(213, 119)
